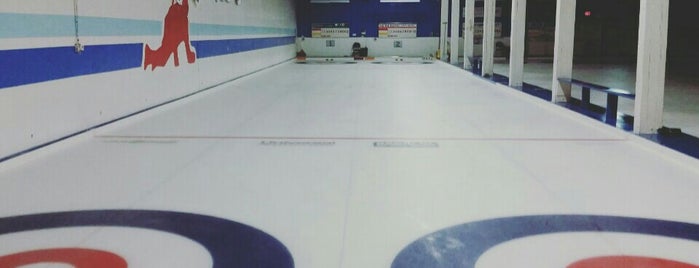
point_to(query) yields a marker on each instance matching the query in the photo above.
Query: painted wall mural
(118, 40)
(175, 32)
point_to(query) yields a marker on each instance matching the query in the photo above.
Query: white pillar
(519, 20)
(443, 30)
(650, 68)
(563, 49)
(469, 14)
(488, 37)
(454, 41)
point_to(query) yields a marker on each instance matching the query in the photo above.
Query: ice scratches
(433, 248)
(297, 143)
(139, 141)
(438, 245)
(405, 144)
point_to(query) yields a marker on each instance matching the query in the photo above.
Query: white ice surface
(290, 151)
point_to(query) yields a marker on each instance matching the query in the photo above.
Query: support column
(454, 41)
(488, 37)
(469, 15)
(443, 30)
(517, 36)
(650, 68)
(563, 49)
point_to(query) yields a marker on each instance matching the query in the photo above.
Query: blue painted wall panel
(212, 48)
(367, 14)
(26, 66)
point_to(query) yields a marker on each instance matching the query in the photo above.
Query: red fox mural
(175, 32)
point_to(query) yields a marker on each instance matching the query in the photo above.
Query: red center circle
(629, 262)
(77, 257)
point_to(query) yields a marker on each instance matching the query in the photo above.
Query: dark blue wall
(367, 14)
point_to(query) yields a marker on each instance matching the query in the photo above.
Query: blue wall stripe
(95, 26)
(27, 66)
(38, 25)
(26, 25)
(13, 25)
(212, 48)
(215, 29)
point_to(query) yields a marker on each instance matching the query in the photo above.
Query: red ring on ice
(629, 262)
(77, 257)
(230, 244)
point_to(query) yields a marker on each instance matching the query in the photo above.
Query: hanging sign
(397, 30)
(330, 30)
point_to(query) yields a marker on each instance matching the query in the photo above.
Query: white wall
(378, 47)
(33, 114)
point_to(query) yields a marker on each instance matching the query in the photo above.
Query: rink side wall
(49, 91)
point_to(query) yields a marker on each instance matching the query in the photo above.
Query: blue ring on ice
(463, 245)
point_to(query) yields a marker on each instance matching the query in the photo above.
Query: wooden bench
(613, 95)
